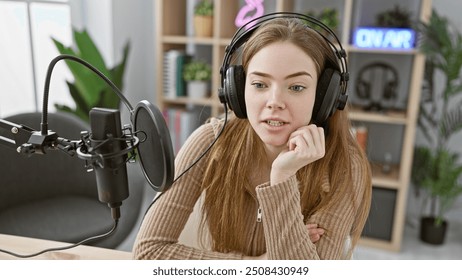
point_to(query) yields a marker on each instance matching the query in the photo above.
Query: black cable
(44, 124)
(93, 238)
(225, 107)
(209, 147)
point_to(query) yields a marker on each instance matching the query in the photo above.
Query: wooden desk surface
(25, 245)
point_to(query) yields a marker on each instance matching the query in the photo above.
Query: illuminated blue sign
(384, 38)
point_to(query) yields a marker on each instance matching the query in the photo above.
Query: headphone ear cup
(389, 91)
(363, 89)
(234, 86)
(327, 95)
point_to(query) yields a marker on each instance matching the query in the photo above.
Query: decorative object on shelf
(384, 38)
(396, 17)
(328, 16)
(88, 90)
(392, 31)
(381, 78)
(203, 18)
(387, 161)
(253, 7)
(436, 168)
(361, 134)
(197, 74)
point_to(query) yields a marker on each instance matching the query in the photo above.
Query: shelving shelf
(396, 117)
(387, 180)
(171, 33)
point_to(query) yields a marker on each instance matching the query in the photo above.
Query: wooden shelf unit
(171, 33)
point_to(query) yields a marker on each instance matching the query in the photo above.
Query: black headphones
(332, 85)
(390, 83)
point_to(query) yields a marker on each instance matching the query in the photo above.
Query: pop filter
(155, 149)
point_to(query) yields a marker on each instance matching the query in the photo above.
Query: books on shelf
(173, 64)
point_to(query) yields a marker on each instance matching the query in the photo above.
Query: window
(26, 49)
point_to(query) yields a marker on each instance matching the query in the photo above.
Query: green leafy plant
(204, 8)
(395, 17)
(435, 167)
(197, 70)
(88, 90)
(328, 16)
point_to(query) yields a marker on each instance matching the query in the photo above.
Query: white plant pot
(197, 89)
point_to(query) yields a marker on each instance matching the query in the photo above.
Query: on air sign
(384, 38)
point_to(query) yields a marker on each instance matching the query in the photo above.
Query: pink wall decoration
(251, 10)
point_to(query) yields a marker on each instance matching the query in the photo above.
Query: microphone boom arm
(16, 134)
(27, 141)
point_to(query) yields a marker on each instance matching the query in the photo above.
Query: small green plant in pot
(203, 18)
(328, 16)
(197, 73)
(436, 168)
(88, 90)
(396, 17)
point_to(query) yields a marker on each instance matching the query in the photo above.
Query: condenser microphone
(108, 141)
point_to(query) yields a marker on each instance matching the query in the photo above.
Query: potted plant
(436, 168)
(396, 17)
(328, 16)
(203, 18)
(88, 90)
(197, 73)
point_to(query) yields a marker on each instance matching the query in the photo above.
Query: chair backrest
(23, 179)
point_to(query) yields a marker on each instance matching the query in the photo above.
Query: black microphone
(108, 142)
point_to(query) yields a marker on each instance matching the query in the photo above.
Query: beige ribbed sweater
(280, 232)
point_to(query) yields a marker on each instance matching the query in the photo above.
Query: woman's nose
(275, 99)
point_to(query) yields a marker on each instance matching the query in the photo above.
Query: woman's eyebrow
(257, 73)
(296, 74)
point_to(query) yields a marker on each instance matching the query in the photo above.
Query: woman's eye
(258, 85)
(297, 88)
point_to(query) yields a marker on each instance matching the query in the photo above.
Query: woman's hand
(305, 145)
(315, 232)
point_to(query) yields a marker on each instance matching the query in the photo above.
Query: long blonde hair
(241, 149)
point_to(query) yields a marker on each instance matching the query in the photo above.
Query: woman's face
(279, 92)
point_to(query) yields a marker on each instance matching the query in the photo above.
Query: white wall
(133, 20)
(112, 23)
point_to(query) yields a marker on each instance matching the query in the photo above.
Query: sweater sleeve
(285, 230)
(165, 220)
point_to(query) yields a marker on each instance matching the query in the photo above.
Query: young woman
(272, 179)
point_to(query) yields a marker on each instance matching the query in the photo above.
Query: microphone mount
(87, 152)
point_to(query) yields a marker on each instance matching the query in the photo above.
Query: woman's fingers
(314, 232)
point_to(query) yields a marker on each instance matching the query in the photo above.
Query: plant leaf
(87, 82)
(89, 52)
(88, 89)
(451, 122)
(118, 71)
(421, 167)
(117, 74)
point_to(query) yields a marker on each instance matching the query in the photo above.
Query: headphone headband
(246, 30)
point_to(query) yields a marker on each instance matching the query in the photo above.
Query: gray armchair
(53, 197)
